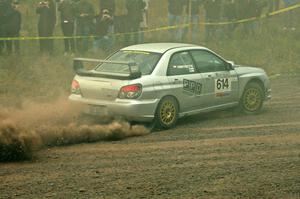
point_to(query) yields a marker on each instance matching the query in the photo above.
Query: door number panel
(222, 85)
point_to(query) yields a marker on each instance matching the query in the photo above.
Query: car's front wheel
(252, 99)
(167, 113)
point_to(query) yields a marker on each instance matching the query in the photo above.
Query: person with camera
(102, 24)
(107, 5)
(47, 19)
(67, 16)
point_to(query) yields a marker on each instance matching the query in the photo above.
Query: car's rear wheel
(252, 99)
(167, 113)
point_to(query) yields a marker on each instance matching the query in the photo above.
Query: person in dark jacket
(120, 22)
(6, 12)
(230, 15)
(13, 28)
(212, 15)
(144, 22)
(273, 5)
(110, 6)
(10, 26)
(85, 14)
(193, 17)
(46, 24)
(2, 20)
(291, 17)
(67, 10)
(251, 9)
(135, 16)
(107, 5)
(175, 17)
(102, 24)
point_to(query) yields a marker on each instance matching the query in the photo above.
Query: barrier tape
(163, 28)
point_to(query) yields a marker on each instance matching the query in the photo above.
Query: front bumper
(133, 110)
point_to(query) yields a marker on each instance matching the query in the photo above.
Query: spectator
(175, 11)
(85, 14)
(230, 15)
(250, 9)
(2, 21)
(107, 5)
(5, 14)
(46, 24)
(13, 28)
(289, 2)
(135, 17)
(67, 11)
(291, 17)
(1, 37)
(120, 21)
(273, 5)
(212, 15)
(193, 13)
(144, 22)
(102, 39)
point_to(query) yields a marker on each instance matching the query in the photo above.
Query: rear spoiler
(79, 69)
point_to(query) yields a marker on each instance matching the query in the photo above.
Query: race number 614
(222, 84)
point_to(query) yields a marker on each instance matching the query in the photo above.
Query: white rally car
(161, 82)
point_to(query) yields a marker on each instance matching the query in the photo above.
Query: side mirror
(231, 65)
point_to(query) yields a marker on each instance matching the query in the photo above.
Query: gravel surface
(217, 155)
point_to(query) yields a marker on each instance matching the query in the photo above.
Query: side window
(207, 62)
(181, 64)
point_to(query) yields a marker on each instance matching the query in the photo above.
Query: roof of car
(158, 47)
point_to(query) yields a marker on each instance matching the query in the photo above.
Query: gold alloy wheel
(252, 99)
(168, 112)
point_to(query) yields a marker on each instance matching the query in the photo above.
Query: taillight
(130, 91)
(75, 88)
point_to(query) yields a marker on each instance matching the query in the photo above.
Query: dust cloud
(35, 126)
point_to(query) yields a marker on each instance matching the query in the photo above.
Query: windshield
(146, 62)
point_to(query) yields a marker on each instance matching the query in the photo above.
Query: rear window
(146, 62)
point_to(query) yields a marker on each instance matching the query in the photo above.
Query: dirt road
(218, 155)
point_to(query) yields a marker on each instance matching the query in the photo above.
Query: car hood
(241, 70)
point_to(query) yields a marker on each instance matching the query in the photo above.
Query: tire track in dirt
(256, 126)
(124, 149)
(290, 97)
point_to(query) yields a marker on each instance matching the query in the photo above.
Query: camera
(44, 3)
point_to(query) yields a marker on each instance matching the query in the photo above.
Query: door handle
(176, 81)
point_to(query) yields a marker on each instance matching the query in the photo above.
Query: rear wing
(78, 66)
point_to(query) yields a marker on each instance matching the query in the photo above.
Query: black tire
(166, 115)
(252, 99)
